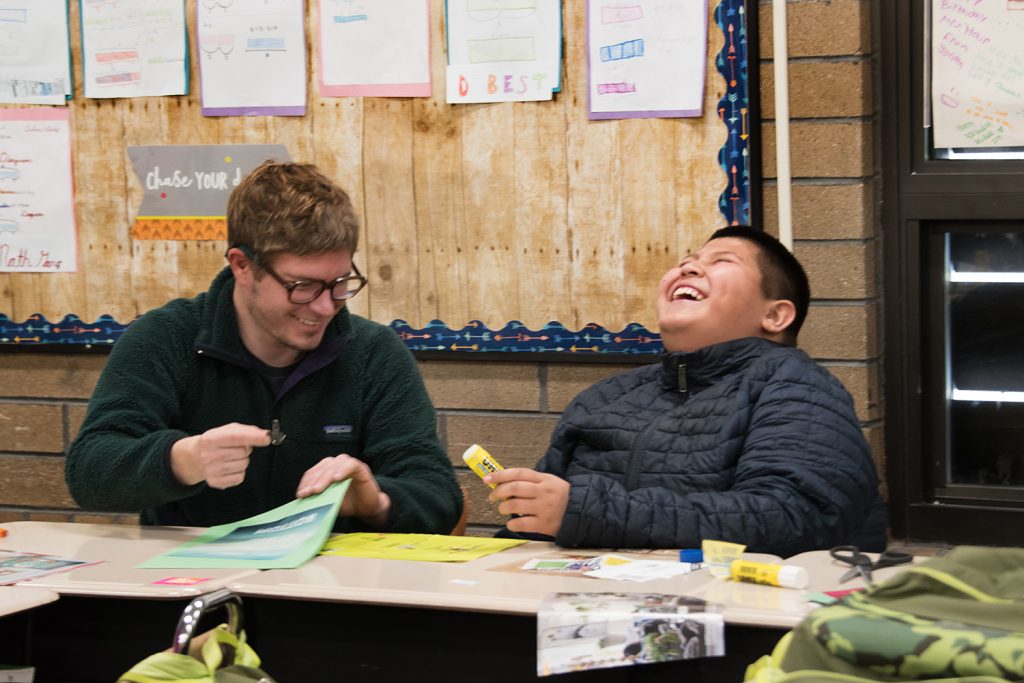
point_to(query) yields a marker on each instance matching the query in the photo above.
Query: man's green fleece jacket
(181, 370)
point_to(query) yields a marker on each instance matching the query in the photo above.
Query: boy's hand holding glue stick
(481, 462)
(536, 501)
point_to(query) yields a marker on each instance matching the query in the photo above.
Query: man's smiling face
(714, 295)
(275, 330)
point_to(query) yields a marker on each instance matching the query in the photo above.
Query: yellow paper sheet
(419, 547)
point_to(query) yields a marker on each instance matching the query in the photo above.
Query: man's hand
(218, 456)
(538, 499)
(364, 499)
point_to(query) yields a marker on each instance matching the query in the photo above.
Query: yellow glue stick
(785, 575)
(481, 462)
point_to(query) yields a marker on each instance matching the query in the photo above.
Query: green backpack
(959, 617)
(222, 658)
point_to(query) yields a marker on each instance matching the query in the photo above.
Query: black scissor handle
(892, 558)
(851, 555)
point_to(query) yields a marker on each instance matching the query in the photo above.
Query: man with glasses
(265, 388)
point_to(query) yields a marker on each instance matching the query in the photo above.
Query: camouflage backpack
(959, 617)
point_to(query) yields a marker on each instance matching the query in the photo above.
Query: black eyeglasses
(304, 291)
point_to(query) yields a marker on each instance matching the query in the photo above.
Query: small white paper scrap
(641, 570)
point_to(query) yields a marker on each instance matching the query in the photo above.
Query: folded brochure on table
(282, 538)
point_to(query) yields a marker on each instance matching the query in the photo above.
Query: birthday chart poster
(978, 73)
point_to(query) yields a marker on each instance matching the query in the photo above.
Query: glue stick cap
(791, 576)
(691, 555)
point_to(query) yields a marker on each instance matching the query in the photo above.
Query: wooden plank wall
(496, 212)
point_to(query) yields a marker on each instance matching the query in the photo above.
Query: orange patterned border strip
(180, 228)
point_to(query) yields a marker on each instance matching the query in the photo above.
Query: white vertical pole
(782, 167)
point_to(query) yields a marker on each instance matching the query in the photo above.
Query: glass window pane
(985, 343)
(987, 252)
(987, 443)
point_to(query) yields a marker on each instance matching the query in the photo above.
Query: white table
(14, 599)
(110, 615)
(118, 549)
(771, 607)
(368, 619)
(490, 584)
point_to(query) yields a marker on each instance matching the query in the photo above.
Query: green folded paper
(282, 538)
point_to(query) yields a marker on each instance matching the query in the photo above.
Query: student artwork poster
(502, 50)
(35, 56)
(134, 49)
(252, 57)
(37, 218)
(374, 49)
(646, 58)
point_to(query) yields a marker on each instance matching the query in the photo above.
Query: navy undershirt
(275, 376)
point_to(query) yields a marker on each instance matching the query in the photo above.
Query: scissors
(861, 565)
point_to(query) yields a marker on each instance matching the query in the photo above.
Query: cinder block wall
(835, 194)
(511, 407)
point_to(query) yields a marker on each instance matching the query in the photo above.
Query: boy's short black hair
(782, 276)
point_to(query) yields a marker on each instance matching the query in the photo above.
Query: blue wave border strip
(734, 111)
(554, 337)
(38, 331)
(474, 337)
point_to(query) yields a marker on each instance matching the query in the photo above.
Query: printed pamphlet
(18, 566)
(580, 631)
